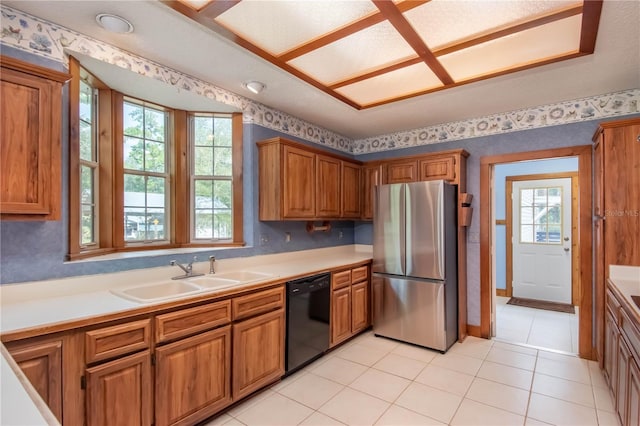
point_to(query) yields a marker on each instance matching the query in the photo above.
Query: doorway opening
(579, 244)
(536, 284)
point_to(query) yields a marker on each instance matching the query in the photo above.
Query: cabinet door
(622, 384)
(633, 403)
(371, 177)
(350, 194)
(598, 244)
(441, 168)
(299, 197)
(42, 364)
(402, 171)
(119, 392)
(29, 150)
(610, 350)
(193, 377)
(258, 352)
(327, 187)
(359, 306)
(340, 315)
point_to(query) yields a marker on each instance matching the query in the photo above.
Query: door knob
(566, 238)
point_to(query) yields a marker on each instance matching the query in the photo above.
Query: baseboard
(473, 330)
(501, 292)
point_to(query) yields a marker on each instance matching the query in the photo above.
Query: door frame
(575, 253)
(584, 240)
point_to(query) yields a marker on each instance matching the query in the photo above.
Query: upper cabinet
(297, 182)
(30, 146)
(445, 165)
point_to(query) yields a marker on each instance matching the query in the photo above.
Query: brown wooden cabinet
(328, 186)
(258, 352)
(622, 357)
(350, 191)
(41, 362)
(616, 157)
(193, 377)
(438, 168)
(400, 171)
(298, 182)
(371, 177)
(119, 392)
(350, 303)
(30, 147)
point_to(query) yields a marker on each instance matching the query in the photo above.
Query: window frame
(109, 194)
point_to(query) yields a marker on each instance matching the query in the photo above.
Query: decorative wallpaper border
(39, 37)
(586, 109)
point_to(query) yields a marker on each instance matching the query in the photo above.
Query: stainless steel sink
(158, 291)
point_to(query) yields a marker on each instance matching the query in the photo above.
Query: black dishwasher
(308, 310)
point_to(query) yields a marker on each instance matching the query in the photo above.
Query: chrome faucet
(212, 261)
(188, 270)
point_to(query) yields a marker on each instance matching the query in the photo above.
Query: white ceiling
(167, 37)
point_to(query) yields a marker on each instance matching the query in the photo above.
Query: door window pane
(541, 215)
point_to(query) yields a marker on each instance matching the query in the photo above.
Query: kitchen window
(145, 176)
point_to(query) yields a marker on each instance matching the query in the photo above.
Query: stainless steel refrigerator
(415, 283)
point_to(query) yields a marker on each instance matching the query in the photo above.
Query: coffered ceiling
(371, 52)
(165, 34)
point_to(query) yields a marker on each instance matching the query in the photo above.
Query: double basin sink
(165, 290)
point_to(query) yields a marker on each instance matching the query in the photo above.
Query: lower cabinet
(622, 359)
(41, 362)
(119, 392)
(258, 352)
(193, 377)
(349, 303)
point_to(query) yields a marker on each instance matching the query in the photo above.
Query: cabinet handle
(598, 217)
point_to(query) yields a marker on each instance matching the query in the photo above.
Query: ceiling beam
(345, 31)
(217, 8)
(400, 23)
(590, 24)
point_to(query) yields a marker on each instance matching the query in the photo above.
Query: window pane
(87, 229)
(134, 189)
(86, 185)
(541, 197)
(86, 141)
(86, 102)
(203, 161)
(222, 225)
(154, 124)
(553, 215)
(133, 115)
(203, 224)
(204, 194)
(526, 233)
(155, 229)
(526, 215)
(222, 127)
(540, 214)
(155, 192)
(541, 234)
(134, 223)
(154, 156)
(203, 131)
(222, 162)
(526, 197)
(222, 194)
(555, 234)
(133, 153)
(555, 192)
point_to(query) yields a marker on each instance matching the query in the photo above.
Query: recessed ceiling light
(114, 23)
(254, 86)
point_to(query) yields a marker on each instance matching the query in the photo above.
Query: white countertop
(34, 304)
(627, 281)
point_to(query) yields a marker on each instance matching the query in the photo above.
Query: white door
(542, 239)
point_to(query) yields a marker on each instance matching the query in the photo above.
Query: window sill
(92, 257)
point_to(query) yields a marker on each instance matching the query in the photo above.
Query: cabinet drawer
(257, 303)
(359, 274)
(631, 332)
(118, 340)
(340, 279)
(193, 320)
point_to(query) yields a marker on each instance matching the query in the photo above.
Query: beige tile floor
(536, 327)
(372, 380)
